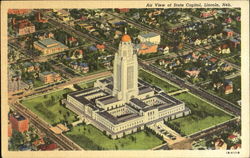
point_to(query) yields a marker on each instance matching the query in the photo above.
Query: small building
(150, 37)
(226, 67)
(233, 138)
(220, 144)
(228, 89)
(31, 67)
(49, 77)
(193, 72)
(19, 122)
(213, 60)
(234, 42)
(49, 46)
(23, 27)
(83, 67)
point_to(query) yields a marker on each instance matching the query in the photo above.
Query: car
(173, 138)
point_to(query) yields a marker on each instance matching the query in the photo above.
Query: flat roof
(108, 100)
(150, 34)
(139, 103)
(116, 120)
(144, 89)
(49, 43)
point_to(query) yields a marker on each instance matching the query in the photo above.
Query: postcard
(125, 79)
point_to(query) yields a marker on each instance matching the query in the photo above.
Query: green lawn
(48, 107)
(167, 87)
(203, 115)
(90, 138)
(86, 84)
(38, 83)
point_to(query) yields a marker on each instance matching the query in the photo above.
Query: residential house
(228, 89)
(83, 67)
(237, 18)
(234, 42)
(63, 15)
(194, 72)
(166, 50)
(228, 32)
(212, 68)
(100, 47)
(197, 42)
(233, 138)
(226, 67)
(213, 60)
(19, 122)
(49, 46)
(218, 85)
(49, 77)
(92, 48)
(220, 144)
(31, 67)
(206, 14)
(228, 20)
(235, 147)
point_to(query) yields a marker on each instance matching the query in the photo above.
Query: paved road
(64, 142)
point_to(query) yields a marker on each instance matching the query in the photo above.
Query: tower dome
(126, 38)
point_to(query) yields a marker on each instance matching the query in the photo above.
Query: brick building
(19, 122)
(49, 77)
(23, 27)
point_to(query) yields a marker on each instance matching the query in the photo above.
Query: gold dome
(126, 38)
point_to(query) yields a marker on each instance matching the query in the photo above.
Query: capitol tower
(125, 71)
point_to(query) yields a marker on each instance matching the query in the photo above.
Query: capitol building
(122, 104)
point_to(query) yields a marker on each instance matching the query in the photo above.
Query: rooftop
(150, 34)
(49, 43)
